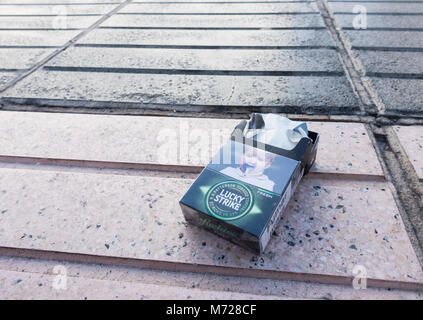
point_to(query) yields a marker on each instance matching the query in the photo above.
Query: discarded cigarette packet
(242, 193)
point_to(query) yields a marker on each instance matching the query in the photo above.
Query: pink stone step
(25, 285)
(131, 141)
(43, 272)
(330, 227)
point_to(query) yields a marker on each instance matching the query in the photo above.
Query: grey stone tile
(382, 21)
(400, 95)
(21, 58)
(6, 77)
(282, 60)
(284, 93)
(369, 38)
(219, 21)
(46, 22)
(392, 62)
(211, 37)
(62, 9)
(36, 38)
(220, 8)
(385, 7)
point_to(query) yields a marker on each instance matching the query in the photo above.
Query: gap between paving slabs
(409, 191)
(396, 164)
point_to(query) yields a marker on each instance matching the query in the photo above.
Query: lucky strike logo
(229, 200)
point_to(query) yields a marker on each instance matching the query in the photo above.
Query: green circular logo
(229, 200)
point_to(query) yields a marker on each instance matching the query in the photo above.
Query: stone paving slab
(210, 37)
(56, 10)
(330, 225)
(6, 77)
(392, 62)
(128, 139)
(21, 58)
(381, 1)
(46, 22)
(381, 21)
(247, 60)
(215, 21)
(36, 38)
(386, 7)
(24, 285)
(332, 94)
(368, 38)
(400, 95)
(393, 75)
(411, 138)
(201, 281)
(58, 2)
(219, 8)
(208, 1)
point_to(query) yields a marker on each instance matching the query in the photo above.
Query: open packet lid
(279, 135)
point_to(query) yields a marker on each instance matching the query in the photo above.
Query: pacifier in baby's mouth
(245, 166)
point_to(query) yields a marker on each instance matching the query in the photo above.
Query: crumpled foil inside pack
(273, 129)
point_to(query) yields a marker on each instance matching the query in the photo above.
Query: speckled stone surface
(47, 22)
(22, 285)
(411, 138)
(157, 140)
(219, 7)
(210, 37)
(330, 226)
(36, 37)
(200, 59)
(6, 76)
(345, 148)
(41, 269)
(21, 58)
(56, 10)
(216, 21)
(189, 92)
(386, 7)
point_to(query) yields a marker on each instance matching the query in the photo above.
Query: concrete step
(209, 37)
(36, 37)
(57, 2)
(216, 21)
(21, 58)
(391, 62)
(400, 96)
(322, 60)
(219, 8)
(386, 7)
(185, 93)
(54, 10)
(381, 21)
(53, 22)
